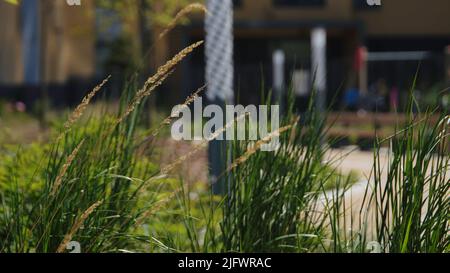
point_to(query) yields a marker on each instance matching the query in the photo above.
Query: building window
(237, 3)
(364, 5)
(299, 3)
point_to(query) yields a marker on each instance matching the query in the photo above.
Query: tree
(14, 2)
(144, 20)
(143, 23)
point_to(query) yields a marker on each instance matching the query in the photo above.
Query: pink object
(393, 98)
(21, 107)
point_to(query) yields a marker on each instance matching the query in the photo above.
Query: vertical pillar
(31, 41)
(219, 78)
(363, 70)
(319, 65)
(278, 60)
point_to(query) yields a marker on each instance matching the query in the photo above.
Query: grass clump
(95, 184)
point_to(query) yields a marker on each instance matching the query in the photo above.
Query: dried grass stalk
(78, 223)
(169, 119)
(139, 97)
(182, 13)
(78, 112)
(203, 144)
(64, 169)
(257, 146)
(158, 205)
(156, 80)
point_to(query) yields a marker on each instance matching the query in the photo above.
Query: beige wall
(409, 17)
(263, 9)
(11, 68)
(395, 17)
(71, 30)
(70, 42)
(79, 40)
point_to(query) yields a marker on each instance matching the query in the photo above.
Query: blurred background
(362, 59)
(52, 53)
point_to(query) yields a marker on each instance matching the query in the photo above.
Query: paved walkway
(351, 159)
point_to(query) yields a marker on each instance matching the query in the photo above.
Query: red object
(360, 57)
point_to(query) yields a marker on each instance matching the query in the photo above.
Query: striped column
(219, 79)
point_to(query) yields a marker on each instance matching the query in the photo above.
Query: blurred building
(397, 36)
(365, 44)
(48, 43)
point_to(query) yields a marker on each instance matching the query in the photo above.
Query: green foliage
(42, 199)
(13, 2)
(96, 185)
(412, 204)
(406, 206)
(272, 197)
